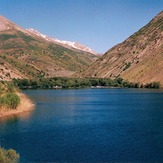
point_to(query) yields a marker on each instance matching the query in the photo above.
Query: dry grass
(25, 105)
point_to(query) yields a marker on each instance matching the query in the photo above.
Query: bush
(10, 100)
(64, 82)
(127, 65)
(10, 87)
(6, 87)
(153, 85)
(8, 156)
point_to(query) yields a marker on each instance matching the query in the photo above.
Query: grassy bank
(8, 97)
(12, 101)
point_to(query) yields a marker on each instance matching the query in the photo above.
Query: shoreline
(25, 105)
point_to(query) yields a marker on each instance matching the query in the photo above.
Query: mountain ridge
(69, 44)
(23, 55)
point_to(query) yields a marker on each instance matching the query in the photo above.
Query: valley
(32, 55)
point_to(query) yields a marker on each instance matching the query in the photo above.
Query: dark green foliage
(152, 85)
(4, 37)
(61, 82)
(127, 65)
(73, 83)
(10, 100)
(119, 81)
(8, 156)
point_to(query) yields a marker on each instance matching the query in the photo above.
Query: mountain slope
(25, 55)
(138, 59)
(67, 44)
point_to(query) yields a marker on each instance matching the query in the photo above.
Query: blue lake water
(88, 125)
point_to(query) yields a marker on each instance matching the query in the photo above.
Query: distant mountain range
(67, 44)
(30, 54)
(138, 59)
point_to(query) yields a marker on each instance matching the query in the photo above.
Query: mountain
(138, 59)
(67, 44)
(25, 54)
(6, 25)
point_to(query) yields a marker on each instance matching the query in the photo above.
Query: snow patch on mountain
(61, 42)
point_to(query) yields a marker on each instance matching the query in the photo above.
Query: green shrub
(64, 82)
(8, 156)
(6, 87)
(153, 85)
(10, 100)
(127, 65)
(10, 87)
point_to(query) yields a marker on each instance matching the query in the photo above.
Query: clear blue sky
(99, 24)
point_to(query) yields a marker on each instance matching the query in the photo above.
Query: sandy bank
(25, 105)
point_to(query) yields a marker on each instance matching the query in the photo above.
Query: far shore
(25, 105)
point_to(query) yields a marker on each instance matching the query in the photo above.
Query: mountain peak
(30, 54)
(137, 59)
(6, 24)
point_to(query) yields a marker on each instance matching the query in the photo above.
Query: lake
(88, 125)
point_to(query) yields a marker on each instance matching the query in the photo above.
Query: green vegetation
(72, 60)
(127, 65)
(152, 85)
(28, 55)
(25, 37)
(8, 156)
(8, 98)
(58, 82)
(4, 37)
(6, 87)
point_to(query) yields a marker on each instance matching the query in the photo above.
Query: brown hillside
(137, 59)
(23, 55)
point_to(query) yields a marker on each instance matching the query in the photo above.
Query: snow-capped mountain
(61, 42)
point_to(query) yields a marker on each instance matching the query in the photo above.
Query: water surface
(88, 125)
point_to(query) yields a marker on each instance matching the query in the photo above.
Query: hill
(138, 59)
(26, 55)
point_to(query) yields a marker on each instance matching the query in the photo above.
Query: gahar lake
(88, 125)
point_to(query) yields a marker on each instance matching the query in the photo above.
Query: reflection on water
(9, 119)
(16, 117)
(88, 125)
